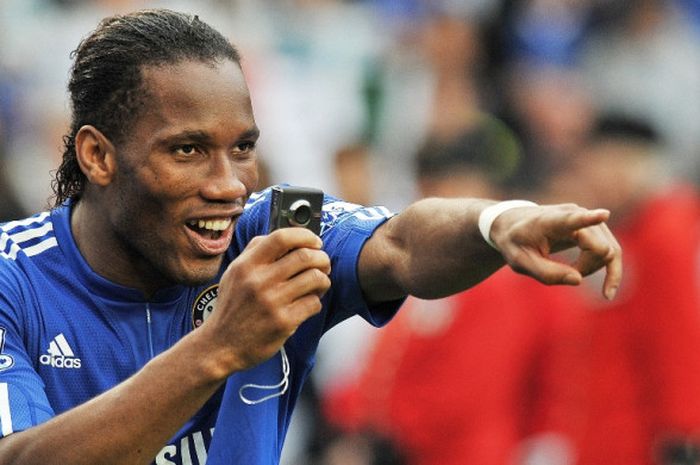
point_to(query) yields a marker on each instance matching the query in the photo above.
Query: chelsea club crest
(204, 304)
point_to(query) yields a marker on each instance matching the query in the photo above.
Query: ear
(95, 154)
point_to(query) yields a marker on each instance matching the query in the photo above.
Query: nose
(222, 183)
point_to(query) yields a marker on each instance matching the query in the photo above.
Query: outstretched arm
(434, 248)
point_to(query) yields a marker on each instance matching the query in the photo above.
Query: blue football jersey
(68, 334)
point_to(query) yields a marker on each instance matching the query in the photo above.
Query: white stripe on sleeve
(5, 416)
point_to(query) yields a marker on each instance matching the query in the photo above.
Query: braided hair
(106, 85)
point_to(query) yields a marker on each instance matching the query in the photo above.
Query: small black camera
(296, 206)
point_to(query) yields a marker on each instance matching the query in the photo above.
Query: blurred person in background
(456, 380)
(552, 113)
(537, 47)
(643, 61)
(627, 373)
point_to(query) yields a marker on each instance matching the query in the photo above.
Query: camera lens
(300, 213)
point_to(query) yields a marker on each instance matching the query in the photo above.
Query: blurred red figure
(627, 378)
(455, 381)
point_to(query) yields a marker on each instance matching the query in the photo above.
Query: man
(98, 297)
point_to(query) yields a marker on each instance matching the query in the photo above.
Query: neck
(106, 254)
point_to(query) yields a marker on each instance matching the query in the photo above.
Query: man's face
(184, 173)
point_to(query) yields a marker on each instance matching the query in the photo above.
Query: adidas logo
(60, 355)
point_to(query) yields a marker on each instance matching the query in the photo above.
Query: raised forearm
(128, 424)
(432, 249)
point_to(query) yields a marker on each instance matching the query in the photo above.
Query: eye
(186, 150)
(244, 151)
(244, 147)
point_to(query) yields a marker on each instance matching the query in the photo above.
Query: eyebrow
(200, 137)
(204, 138)
(252, 133)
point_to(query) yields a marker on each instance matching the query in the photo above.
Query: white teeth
(223, 224)
(212, 225)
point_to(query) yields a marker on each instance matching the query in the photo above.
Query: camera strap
(282, 385)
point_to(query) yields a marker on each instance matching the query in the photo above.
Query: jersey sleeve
(23, 401)
(345, 227)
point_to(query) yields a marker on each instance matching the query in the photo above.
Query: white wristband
(489, 215)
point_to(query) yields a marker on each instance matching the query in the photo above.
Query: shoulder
(28, 237)
(24, 244)
(336, 212)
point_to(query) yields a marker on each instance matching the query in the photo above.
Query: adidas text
(60, 361)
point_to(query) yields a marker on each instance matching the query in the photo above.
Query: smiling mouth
(210, 229)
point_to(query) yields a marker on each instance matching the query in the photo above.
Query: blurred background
(386, 101)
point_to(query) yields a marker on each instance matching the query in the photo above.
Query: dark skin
(191, 157)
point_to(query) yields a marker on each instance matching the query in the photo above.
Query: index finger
(562, 226)
(579, 219)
